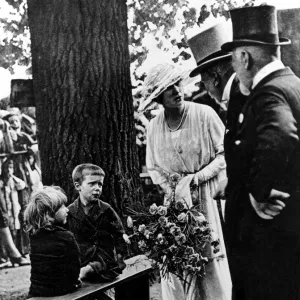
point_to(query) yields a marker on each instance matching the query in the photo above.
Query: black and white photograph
(150, 149)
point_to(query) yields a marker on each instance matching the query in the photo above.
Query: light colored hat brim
(171, 78)
(206, 64)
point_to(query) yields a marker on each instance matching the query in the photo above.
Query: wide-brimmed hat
(255, 25)
(206, 46)
(159, 78)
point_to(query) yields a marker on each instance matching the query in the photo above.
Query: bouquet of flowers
(176, 238)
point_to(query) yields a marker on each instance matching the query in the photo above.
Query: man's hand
(220, 192)
(272, 208)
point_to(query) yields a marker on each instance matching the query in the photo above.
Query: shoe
(4, 263)
(21, 261)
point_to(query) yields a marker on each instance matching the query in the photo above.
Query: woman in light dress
(187, 138)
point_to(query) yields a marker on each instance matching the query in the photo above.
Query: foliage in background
(15, 37)
(157, 32)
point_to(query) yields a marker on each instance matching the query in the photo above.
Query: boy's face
(90, 188)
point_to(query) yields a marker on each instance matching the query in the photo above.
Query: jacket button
(237, 142)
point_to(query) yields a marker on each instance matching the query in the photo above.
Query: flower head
(189, 268)
(162, 210)
(161, 239)
(180, 205)
(194, 258)
(182, 218)
(126, 239)
(163, 221)
(175, 230)
(142, 245)
(147, 234)
(153, 209)
(170, 225)
(129, 222)
(173, 249)
(180, 239)
(142, 228)
(189, 251)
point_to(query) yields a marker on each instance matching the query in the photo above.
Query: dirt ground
(14, 283)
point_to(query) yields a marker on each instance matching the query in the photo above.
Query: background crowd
(20, 175)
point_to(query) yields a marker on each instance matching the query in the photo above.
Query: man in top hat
(221, 83)
(263, 224)
(214, 65)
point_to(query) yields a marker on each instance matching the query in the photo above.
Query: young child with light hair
(54, 255)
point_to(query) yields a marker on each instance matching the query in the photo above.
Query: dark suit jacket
(97, 234)
(265, 155)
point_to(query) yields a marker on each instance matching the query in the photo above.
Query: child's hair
(43, 206)
(86, 169)
(4, 174)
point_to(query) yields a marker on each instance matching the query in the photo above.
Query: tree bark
(82, 88)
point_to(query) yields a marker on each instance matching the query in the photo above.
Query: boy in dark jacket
(96, 226)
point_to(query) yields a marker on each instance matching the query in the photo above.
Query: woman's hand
(220, 192)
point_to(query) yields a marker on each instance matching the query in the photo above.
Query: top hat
(255, 25)
(206, 46)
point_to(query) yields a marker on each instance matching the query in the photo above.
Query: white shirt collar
(266, 70)
(227, 89)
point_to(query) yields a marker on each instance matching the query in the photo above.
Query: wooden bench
(132, 284)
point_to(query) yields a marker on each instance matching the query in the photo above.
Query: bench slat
(135, 267)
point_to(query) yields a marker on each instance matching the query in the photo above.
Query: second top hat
(256, 25)
(206, 46)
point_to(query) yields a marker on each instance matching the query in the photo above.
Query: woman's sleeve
(156, 176)
(216, 132)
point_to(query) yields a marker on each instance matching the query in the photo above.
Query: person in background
(186, 139)
(262, 198)
(22, 142)
(35, 171)
(8, 246)
(10, 198)
(54, 253)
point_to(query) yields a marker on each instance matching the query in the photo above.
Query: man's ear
(77, 186)
(246, 59)
(216, 79)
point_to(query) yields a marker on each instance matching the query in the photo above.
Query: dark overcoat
(264, 154)
(55, 264)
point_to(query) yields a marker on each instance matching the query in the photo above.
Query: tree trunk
(82, 88)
